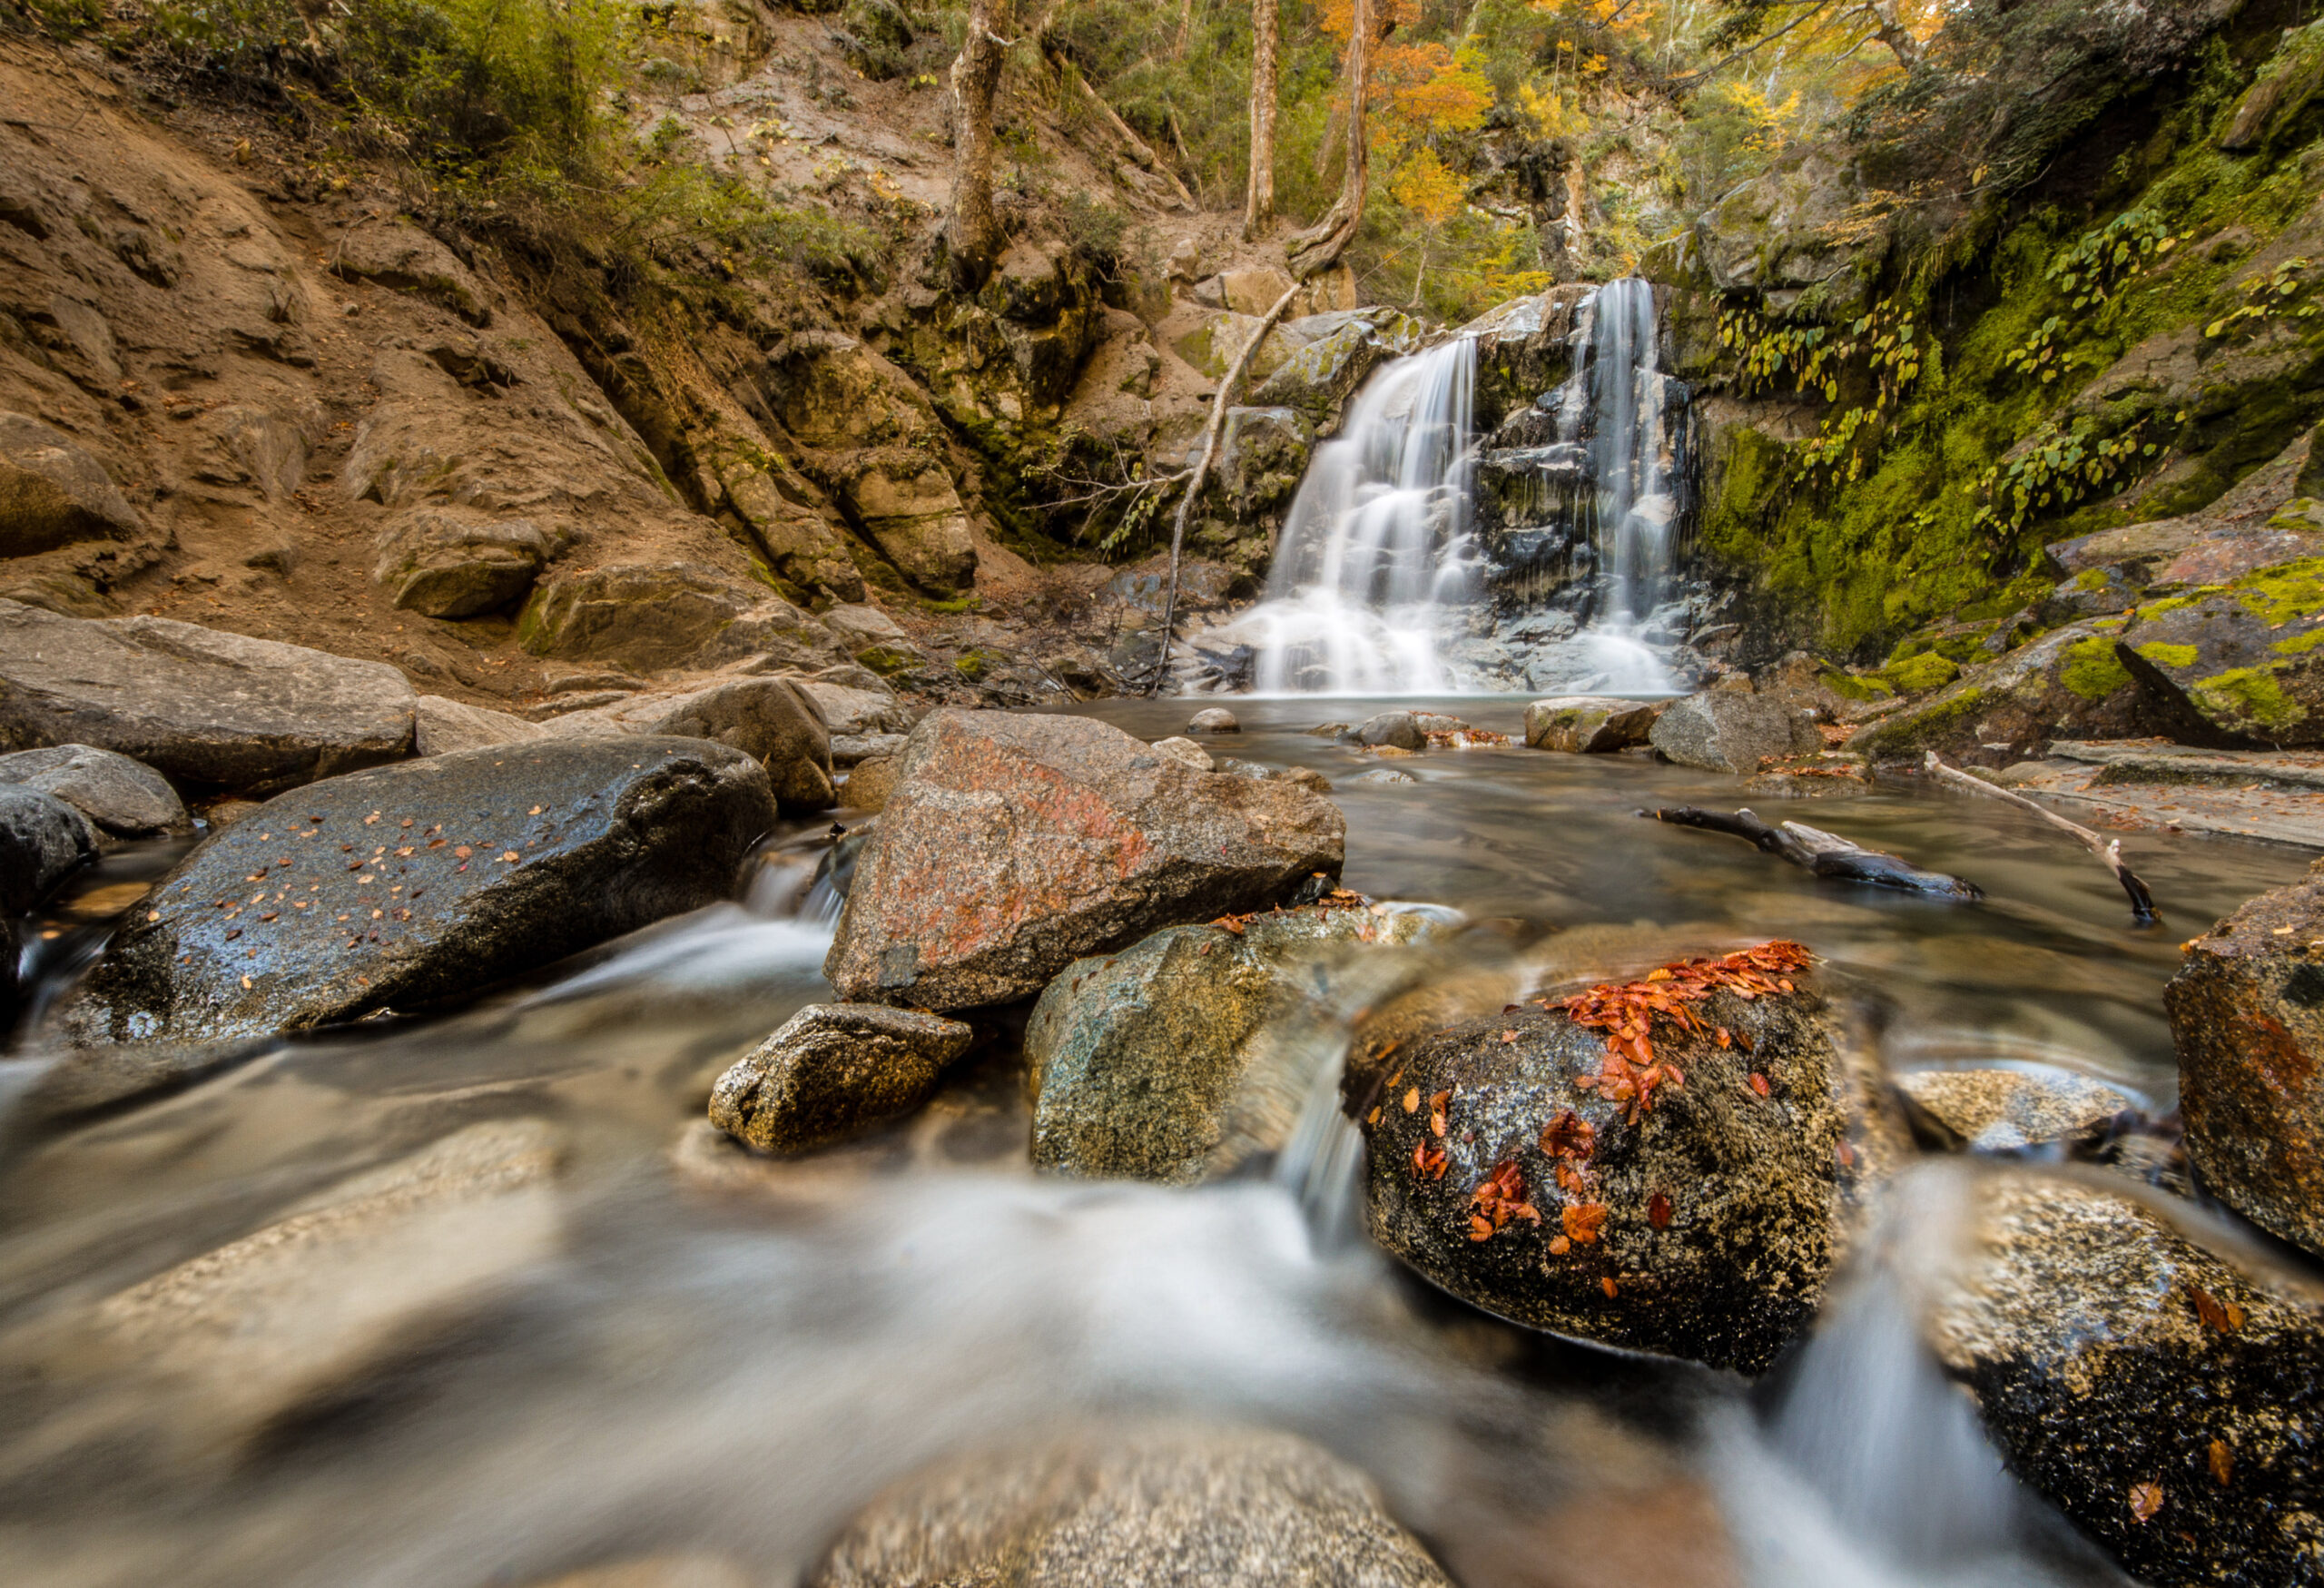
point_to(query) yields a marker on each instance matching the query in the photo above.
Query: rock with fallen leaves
(1189, 1053)
(1139, 1507)
(1013, 845)
(2247, 1014)
(2168, 1402)
(831, 1071)
(410, 885)
(1651, 1164)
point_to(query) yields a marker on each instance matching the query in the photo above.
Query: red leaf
(1658, 1211)
(1759, 1083)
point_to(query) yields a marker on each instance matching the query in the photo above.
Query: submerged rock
(1173, 1060)
(1013, 845)
(2247, 1015)
(1723, 730)
(2008, 1111)
(196, 702)
(1145, 1507)
(834, 1069)
(2166, 1402)
(126, 798)
(768, 719)
(1702, 1227)
(406, 885)
(1589, 724)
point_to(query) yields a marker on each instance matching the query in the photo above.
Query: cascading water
(1377, 543)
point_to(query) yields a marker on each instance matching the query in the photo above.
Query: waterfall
(1377, 545)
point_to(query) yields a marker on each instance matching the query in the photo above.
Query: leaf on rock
(2146, 1499)
(1658, 1211)
(1581, 1220)
(2222, 1462)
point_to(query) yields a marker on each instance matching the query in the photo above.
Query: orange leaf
(1658, 1211)
(2146, 1499)
(1607, 1285)
(2222, 1462)
(1581, 1220)
(1759, 1083)
(1411, 1101)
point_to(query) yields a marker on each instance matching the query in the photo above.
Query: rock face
(2067, 685)
(1133, 1508)
(1013, 845)
(406, 885)
(768, 719)
(409, 261)
(1166, 1062)
(2247, 1015)
(1587, 724)
(1703, 1230)
(834, 1069)
(124, 797)
(2243, 659)
(1723, 731)
(457, 562)
(2164, 1401)
(651, 616)
(198, 704)
(441, 726)
(2008, 1111)
(52, 493)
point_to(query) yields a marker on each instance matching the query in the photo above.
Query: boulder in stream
(1172, 1061)
(407, 885)
(2247, 1014)
(1726, 730)
(2008, 1111)
(1144, 1507)
(832, 1071)
(1524, 1166)
(1589, 724)
(771, 720)
(126, 798)
(2168, 1402)
(1398, 730)
(1013, 845)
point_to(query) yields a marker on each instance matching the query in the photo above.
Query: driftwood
(2107, 850)
(1827, 854)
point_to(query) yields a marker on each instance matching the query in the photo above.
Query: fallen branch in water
(1827, 854)
(2109, 850)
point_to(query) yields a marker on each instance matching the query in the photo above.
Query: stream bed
(663, 1349)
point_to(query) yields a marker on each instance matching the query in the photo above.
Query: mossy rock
(1919, 674)
(888, 661)
(2241, 663)
(2064, 685)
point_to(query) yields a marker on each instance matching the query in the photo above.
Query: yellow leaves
(1553, 113)
(1431, 89)
(1766, 120)
(1424, 185)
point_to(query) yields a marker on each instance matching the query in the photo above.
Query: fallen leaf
(2146, 1499)
(1569, 1136)
(1607, 1285)
(1412, 1100)
(2224, 1316)
(1759, 1083)
(2222, 1462)
(1560, 1246)
(1581, 1220)
(1658, 1211)
(1509, 1036)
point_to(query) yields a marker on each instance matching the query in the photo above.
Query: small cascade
(1376, 548)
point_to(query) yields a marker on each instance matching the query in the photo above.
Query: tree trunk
(1259, 199)
(1894, 34)
(974, 234)
(1318, 248)
(1186, 28)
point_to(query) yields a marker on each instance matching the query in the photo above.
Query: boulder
(1722, 730)
(53, 493)
(1170, 1062)
(408, 260)
(405, 886)
(853, 749)
(1700, 1225)
(1263, 454)
(42, 840)
(1396, 729)
(1188, 752)
(652, 616)
(673, 1571)
(2247, 1015)
(2067, 685)
(197, 704)
(457, 562)
(1152, 1507)
(831, 1071)
(868, 786)
(2168, 1402)
(441, 726)
(1014, 845)
(1323, 357)
(2240, 662)
(1589, 723)
(1213, 719)
(2009, 1110)
(771, 720)
(126, 798)
(855, 709)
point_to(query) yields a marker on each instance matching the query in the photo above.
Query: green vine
(1812, 357)
(2090, 276)
(2059, 468)
(2264, 299)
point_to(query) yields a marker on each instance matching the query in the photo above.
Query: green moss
(2164, 655)
(1916, 674)
(2300, 645)
(2093, 670)
(974, 665)
(886, 661)
(954, 609)
(1853, 686)
(2250, 694)
(1916, 727)
(2280, 594)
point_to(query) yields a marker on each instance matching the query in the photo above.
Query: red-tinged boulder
(1519, 1167)
(2247, 1014)
(1013, 845)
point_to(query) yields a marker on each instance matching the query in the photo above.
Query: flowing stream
(662, 1348)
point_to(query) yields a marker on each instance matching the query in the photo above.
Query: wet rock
(1213, 719)
(196, 702)
(408, 260)
(124, 798)
(441, 726)
(1383, 775)
(53, 493)
(870, 783)
(42, 840)
(1327, 356)
(2247, 1015)
(1589, 724)
(1188, 753)
(1396, 729)
(457, 562)
(688, 1571)
(81, 1082)
(2166, 1402)
(2008, 1111)
(1305, 777)
(1180, 1058)
(652, 616)
(1263, 453)
(1703, 1231)
(1138, 1507)
(2243, 661)
(1723, 730)
(1014, 845)
(833, 1070)
(771, 720)
(406, 885)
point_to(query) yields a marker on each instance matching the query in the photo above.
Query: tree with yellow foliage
(1424, 185)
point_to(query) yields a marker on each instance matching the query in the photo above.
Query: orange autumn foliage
(1627, 1011)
